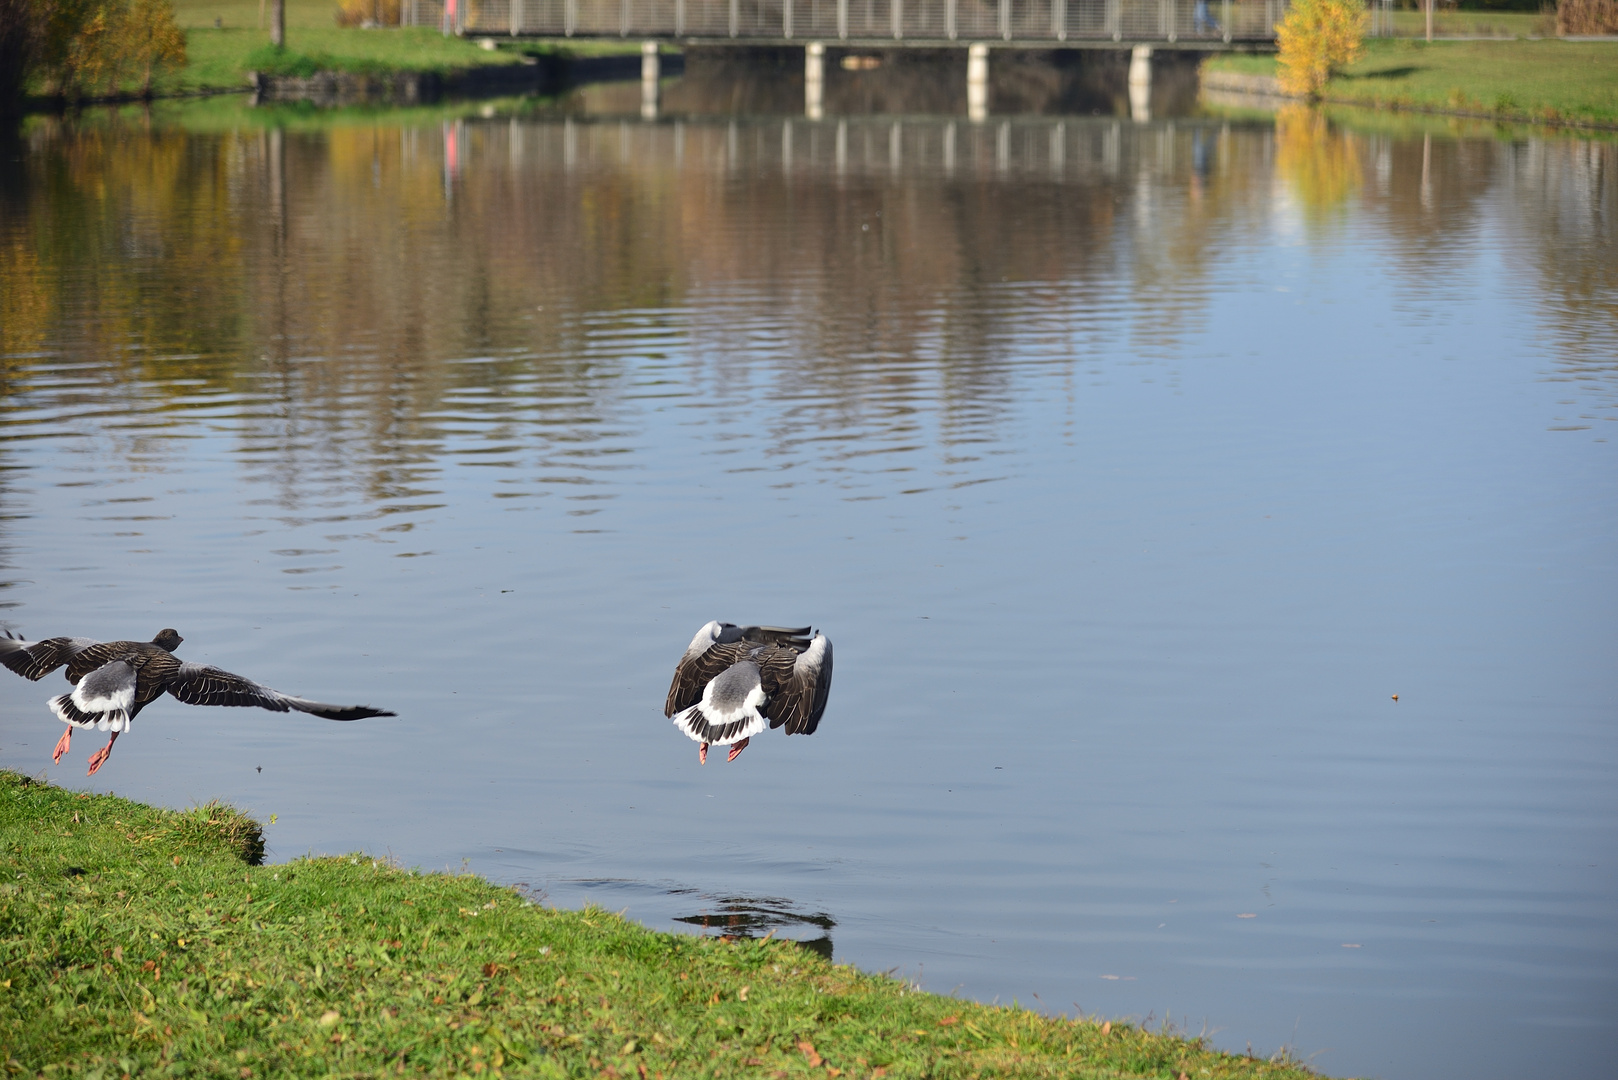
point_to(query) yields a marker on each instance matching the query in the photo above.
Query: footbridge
(869, 24)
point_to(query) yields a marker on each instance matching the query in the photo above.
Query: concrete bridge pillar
(814, 80)
(977, 81)
(1140, 83)
(651, 70)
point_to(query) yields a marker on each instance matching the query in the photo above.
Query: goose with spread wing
(114, 680)
(734, 680)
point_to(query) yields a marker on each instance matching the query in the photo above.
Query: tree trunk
(278, 23)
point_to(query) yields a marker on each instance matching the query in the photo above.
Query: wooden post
(1224, 22)
(1429, 20)
(786, 18)
(570, 16)
(679, 17)
(1005, 23)
(842, 18)
(516, 17)
(735, 16)
(1059, 19)
(949, 19)
(897, 10)
(278, 23)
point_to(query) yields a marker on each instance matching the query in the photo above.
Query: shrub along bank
(146, 942)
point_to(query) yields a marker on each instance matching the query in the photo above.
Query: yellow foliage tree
(149, 39)
(1316, 39)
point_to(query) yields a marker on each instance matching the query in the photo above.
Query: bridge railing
(865, 21)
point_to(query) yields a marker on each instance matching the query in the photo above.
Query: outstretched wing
(203, 684)
(798, 685)
(37, 659)
(716, 646)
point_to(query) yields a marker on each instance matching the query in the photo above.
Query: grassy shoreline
(1554, 82)
(144, 941)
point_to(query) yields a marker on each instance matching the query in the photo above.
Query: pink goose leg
(62, 746)
(99, 758)
(738, 748)
(702, 754)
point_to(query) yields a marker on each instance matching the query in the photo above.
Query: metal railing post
(896, 9)
(570, 17)
(842, 18)
(949, 19)
(1059, 19)
(786, 18)
(735, 16)
(1005, 19)
(679, 17)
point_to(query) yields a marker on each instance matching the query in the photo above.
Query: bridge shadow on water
(766, 81)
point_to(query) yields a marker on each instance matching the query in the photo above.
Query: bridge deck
(1184, 24)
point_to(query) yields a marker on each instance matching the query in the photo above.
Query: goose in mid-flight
(114, 680)
(733, 680)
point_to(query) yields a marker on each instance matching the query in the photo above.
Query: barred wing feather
(801, 685)
(36, 659)
(202, 684)
(698, 670)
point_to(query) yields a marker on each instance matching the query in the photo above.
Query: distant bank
(1550, 81)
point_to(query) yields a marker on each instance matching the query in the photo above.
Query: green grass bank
(1540, 82)
(146, 942)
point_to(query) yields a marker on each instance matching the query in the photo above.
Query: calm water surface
(1132, 468)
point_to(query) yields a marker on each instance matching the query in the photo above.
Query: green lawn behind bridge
(1547, 81)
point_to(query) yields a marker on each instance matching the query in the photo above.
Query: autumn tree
(1317, 39)
(149, 40)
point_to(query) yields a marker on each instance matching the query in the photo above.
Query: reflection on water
(751, 917)
(1133, 467)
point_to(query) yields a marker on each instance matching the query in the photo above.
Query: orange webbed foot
(99, 758)
(702, 754)
(738, 748)
(62, 746)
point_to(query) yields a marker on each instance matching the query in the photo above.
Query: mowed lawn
(146, 942)
(1548, 81)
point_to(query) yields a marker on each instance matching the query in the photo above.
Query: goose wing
(714, 648)
(798, 684)
(37, 659)
(203, 684)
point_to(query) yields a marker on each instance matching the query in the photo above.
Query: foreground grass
(1533, 81)
(141, 941)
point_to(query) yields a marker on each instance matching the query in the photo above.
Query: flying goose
(733, 679)
(114, 680)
